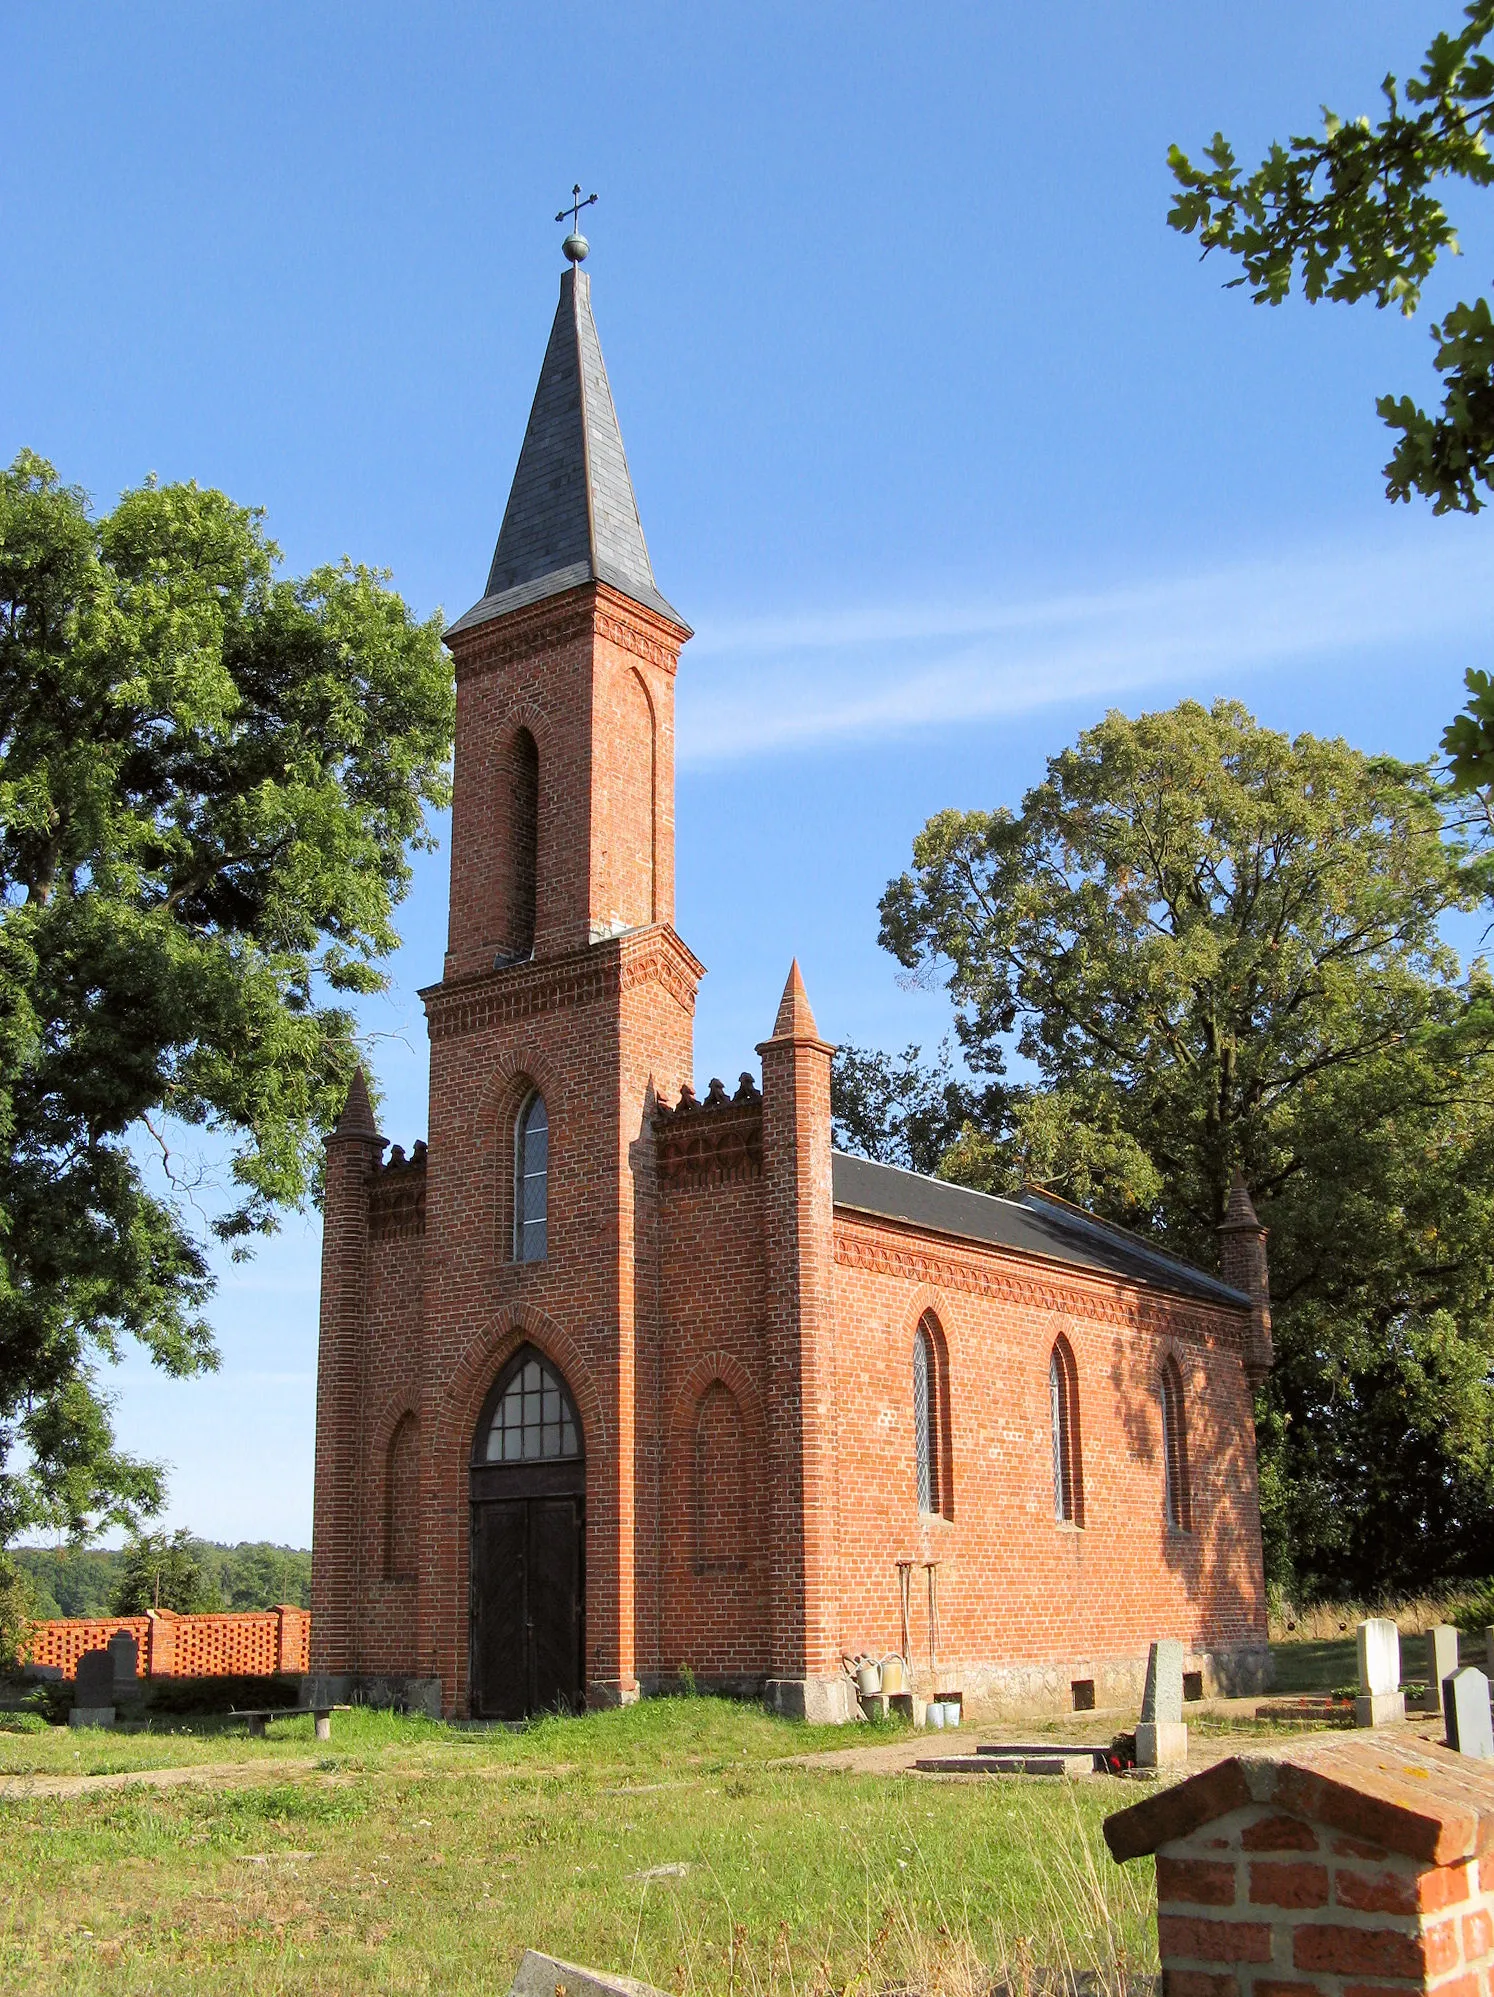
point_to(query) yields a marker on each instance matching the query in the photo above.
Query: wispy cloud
(782, 683)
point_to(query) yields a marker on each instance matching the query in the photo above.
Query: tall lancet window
(923, 1420)
(532, 1182)
(1176, 1497)
(523, 845)
(1063, 1414)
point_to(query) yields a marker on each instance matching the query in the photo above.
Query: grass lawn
(667, 1841)
(1320, 1666)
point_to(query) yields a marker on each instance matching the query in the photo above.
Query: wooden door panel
(554, 1602)
(500, 1547)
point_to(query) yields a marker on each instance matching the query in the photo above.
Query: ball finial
(575, 244)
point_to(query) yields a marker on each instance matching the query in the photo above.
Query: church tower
(566, 1004)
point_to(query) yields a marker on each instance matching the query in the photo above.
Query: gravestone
(1161, 1737)
(93, 1691)
(547, 1976)
(1465, 1703)
(125, 1652)
(1442, 1662)
(1380, 1697)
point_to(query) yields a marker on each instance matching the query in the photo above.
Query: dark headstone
(126, 1655)
(94, 1685)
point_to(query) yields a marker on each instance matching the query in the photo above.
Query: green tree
(1357, 213)
(158, 1572)
(18, 1610)
(210, 778)
(893, 1108)
(1215, 946)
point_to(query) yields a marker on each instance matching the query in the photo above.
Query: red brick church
(616, 1380)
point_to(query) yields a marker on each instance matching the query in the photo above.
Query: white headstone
(1162, 1700)
(1465, 1704)
(1379, 1656)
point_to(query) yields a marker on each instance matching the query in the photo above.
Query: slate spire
(571, 516)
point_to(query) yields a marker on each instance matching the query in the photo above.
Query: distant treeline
(83, 1581)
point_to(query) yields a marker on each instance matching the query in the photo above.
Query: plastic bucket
(934, 1712)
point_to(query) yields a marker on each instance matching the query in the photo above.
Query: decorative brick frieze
(591, 976)
(888, 1249)
(718, 1142)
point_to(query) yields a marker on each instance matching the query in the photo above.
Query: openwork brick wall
(1347, 1869)
(256, 1643)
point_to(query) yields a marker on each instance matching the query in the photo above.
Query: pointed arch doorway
(528, 1579)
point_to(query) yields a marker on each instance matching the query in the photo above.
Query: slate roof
(571, 515)
(1031, 1224)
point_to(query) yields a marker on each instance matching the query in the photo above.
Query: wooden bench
(259, 1717)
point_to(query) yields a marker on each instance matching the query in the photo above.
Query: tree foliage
(161, 1572)
(1357, 213)
(893, 1108)
(84, 1581)
(210, 777)
(1214, 946)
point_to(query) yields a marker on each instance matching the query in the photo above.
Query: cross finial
(575, 244)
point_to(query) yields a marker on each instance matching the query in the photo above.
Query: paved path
(228, 1774)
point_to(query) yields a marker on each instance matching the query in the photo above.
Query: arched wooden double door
(528, 1576)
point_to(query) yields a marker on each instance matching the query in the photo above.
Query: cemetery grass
(673, 1841)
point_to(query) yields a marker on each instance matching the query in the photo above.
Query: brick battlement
(718, 1142)
(396, 1196)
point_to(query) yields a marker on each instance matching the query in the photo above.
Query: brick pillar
(1337, 1868)
(353, 1153)
(160, 1644)
(1242, 1263)
(804, 1674)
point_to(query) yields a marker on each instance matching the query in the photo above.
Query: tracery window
(534, 1420)
(1063, 1398)
(532, 1181)
(1177, 1498)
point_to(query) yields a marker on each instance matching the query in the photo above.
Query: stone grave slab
(1465, 1703)
(547, 1976)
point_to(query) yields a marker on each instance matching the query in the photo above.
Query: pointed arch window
(1177, 1499)
(1063, 1399)
(933, 1464)
(532, 1181)
(923, 1417)
(534, 1421)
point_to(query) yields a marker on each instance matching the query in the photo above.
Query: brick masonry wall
(1026, 1603)
(251, 1643)
(1264, 1903)
(713, 1307)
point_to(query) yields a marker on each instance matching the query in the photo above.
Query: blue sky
(942, 440)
